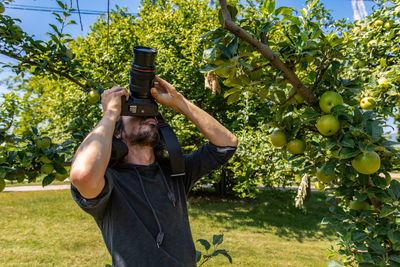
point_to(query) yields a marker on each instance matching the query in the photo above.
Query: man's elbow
(234, 141)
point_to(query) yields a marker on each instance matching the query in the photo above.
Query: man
(141, 210)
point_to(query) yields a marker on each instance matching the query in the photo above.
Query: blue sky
(37, 23)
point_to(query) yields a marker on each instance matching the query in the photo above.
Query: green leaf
(313, 4)
(11, 156)
(198, 256)
(373, 129)
(204, 243)
(394, 189)
(218, 32)
(395, 258)
(329, 167)
(48, 179)
(268, 7)
(357, 236)
(358, 117)
(225, 51)
(223, 252)
(207, 68)
(209, 54)
(61, 4)
(284, 10)
(347, 153)
(310, 113)
(280, 95)
(387, 210)
(376, 247)
(217, 239)
(233, 46)
(233, 98)
(348, 142)
(231, 91)
(35, 131)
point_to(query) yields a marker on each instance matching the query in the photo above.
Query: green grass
(47, 228)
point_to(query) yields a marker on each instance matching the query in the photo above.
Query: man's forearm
(92, 157)
(215, 132)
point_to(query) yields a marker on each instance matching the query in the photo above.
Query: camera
(142, 74)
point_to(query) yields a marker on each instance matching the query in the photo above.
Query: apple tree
(324, 84)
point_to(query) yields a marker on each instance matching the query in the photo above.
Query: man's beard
(149, 137)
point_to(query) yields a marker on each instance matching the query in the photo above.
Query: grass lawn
(48, 229)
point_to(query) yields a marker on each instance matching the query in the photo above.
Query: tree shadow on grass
(272, 211)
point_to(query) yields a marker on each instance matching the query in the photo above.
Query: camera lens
(142, 72)
(144, 57)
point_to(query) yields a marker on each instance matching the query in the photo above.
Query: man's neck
(140, 155)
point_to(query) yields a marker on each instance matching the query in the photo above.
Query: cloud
(359, 9)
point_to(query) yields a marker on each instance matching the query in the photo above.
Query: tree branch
(267, 53)
(27, 61)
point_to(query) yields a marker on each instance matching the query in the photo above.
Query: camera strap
(173, 147)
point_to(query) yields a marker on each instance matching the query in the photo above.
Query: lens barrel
(142, 72)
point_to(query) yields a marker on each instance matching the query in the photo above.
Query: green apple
(298, 98)
(296, 146)
(319, 186)
(359, 205)
(278, 138)
(368, 103)
(328, 125)
(383, 82)
(323, 177)
(328, 100)
(46, 168)
(61, 177)
(44, 143)
(1, 8)
(94, 97)
(378, 23)
(367, 163)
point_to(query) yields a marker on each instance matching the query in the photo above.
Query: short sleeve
(94, 206)
(207, 158)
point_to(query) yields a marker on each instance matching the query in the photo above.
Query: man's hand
(111, 101)
(165, 93)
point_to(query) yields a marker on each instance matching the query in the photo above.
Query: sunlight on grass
(48, 229)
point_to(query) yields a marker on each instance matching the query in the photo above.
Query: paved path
(35, 188)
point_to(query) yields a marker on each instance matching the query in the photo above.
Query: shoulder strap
(173, 147)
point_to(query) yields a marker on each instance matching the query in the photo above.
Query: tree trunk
(308, 190)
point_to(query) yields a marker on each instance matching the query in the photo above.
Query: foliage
(217, 240)
(290, 58)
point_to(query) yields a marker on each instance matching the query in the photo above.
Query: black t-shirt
(124, 209)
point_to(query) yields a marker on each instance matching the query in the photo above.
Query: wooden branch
(27, 61)
(267, 53)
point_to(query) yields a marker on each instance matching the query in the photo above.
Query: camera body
(142, 74)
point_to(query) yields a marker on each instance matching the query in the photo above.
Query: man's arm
(92, 157)
(215, 132)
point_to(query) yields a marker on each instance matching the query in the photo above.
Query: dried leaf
(211, 82)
